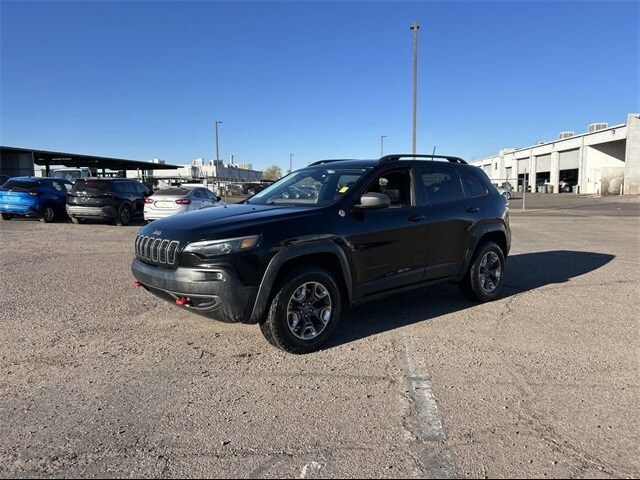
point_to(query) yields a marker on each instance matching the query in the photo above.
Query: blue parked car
(43, 198)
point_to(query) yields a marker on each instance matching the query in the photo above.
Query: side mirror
(374, 201)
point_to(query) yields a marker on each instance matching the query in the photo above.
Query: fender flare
(293, 251)
(481, 231)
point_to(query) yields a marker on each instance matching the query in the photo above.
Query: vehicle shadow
(525, 272)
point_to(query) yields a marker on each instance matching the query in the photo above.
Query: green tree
(273, 172)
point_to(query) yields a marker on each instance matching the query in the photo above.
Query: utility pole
(414, 28)
(290, 162)
(382, 137)
(217, 149)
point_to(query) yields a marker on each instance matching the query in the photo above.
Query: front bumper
(213, 292)
(91, 212)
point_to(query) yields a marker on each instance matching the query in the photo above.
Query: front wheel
(304, 311)
(6, 216)
(483, 280)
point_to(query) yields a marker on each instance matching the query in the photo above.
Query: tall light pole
(290, 162)
(414, 28)
(382, 137)
(217, 149)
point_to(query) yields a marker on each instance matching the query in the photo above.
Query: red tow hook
(183, 302)
(136, 284)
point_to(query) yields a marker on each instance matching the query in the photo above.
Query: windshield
(70, 174)
(91, 186)
(311, 186)
(176, 191)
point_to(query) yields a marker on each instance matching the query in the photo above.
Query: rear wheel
(124, 216)
(48, 214)
(6, 216)
(304, 311)
(483, 280)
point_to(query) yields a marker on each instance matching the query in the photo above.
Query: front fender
(291, 252)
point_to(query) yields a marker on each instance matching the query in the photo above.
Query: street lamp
(414, 28)
(382, 137)
(217, 149)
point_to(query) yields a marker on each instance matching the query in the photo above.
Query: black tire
(48, 214)
(472, 285)
(275, 326)
(6, 216)
(124, 216)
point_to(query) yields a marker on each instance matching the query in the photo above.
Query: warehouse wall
(632, 156)
(613, 149)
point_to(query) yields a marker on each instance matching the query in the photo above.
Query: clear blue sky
(144, 80)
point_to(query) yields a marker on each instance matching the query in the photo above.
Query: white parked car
(170, 201)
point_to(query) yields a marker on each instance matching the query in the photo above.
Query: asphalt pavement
(100, 380)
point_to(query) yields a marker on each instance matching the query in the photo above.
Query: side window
(59, 186)
(345, 182)
(121, 188)
(442, 184)
(199, 193)
(211, 196)
(473, 186)
(141, 189)
(396, 185)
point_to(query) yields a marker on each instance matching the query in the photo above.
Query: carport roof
(44, 157)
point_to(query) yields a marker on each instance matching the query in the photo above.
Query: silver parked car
(170, 201)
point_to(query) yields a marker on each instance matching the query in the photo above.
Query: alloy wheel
(490, 272)
(309, 310)
(49, 214)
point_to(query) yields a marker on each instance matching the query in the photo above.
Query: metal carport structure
(16, 161)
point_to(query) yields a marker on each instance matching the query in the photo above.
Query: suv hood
(206, 222)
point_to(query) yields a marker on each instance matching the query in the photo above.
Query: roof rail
(329, 160)
(397, 156)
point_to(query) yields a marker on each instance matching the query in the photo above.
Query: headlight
(214, 248)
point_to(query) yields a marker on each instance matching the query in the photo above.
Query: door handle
(473, 209)
(417, 218)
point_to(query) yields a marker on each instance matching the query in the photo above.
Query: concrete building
(604, 160)
(224, 171)
(203, 169)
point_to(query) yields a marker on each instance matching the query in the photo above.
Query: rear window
(21, 184)
(91, 186)
(173, 191)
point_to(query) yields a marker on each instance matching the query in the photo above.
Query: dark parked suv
(367, 229)
(114, 199)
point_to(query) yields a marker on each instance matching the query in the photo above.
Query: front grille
(156, 250)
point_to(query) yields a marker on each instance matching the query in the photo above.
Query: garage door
(523, 164)
(569, 159)
(543, 163)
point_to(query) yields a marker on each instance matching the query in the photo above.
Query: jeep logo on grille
(157, 232)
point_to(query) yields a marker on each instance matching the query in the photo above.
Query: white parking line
(313, 466)
(425, 401)
(436, 461)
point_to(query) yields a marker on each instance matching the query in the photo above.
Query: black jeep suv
(115, 199)
(332, 235)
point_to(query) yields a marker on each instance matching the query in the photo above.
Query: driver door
(389, 244)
